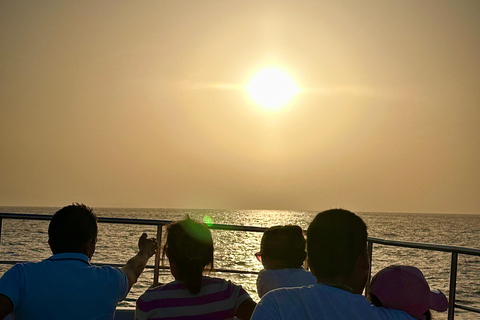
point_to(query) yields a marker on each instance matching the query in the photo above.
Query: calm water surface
(27, 241)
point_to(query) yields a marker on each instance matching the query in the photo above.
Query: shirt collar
(70, 256)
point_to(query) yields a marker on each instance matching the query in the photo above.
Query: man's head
(73, 229)
(336, 245)
(283, 247)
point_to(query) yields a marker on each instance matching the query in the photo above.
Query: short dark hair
(71, 227)
(285, 245)
(335, 240)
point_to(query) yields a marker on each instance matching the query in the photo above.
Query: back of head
(336, 238)
(71, 227)
(283, 246)
(190, 247)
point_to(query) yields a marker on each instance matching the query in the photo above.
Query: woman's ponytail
(190, 246)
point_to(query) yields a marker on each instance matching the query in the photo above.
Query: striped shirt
(217, 300)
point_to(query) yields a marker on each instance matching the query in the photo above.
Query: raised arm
(134, 267)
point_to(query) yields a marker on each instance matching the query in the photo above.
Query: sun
(272, 88)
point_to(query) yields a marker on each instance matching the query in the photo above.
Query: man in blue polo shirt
(66, 286)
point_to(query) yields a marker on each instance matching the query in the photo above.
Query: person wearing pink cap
(405, 288)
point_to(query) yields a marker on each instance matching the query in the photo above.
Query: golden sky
(141, 104)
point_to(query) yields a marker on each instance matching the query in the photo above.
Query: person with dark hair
(66, 286)
(282, 253)
(405, 288)
(337, 255)
(189, 249)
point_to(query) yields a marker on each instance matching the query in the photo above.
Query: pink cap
(405, 288)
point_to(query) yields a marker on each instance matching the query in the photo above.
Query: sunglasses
(258, 255)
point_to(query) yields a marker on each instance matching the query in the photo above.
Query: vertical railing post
(370, 257)
(1, 222)
(156, 270)
(453, 285)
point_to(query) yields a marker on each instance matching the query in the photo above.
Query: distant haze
(141, 104)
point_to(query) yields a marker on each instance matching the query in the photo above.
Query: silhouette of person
(282, 253)
(189, 249)
(66, 286)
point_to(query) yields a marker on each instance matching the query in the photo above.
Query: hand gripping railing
(455, 251)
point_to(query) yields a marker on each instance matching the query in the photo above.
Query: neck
(340, 282)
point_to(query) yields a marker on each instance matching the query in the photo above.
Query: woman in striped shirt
(189, 249)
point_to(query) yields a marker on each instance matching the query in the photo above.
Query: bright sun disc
(272, 88)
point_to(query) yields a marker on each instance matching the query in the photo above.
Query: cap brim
(438, 301)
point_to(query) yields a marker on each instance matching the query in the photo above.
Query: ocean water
(27, 241)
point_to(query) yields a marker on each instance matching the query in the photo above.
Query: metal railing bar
(370, 258)
(29, 216)
(161, 268)
(164, 268)
(426, 246)
(471, 309)
(152, 222)
(415, 245)
(236, 271)
(452, 287)
(157, 255)
(25, 216)
(236, 228)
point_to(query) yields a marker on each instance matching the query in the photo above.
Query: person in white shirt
(282, 253)
(337, 255)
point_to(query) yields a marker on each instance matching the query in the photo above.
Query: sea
(23, 240)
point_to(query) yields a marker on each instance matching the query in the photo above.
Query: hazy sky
(141, 104)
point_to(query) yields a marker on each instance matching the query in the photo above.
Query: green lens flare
(208, 220)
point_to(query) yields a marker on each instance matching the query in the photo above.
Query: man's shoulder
(111, 272)
(297, 292)
(307, 302)
(23, 267)
(285, 303)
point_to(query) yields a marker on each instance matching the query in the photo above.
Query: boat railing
(159, 224)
